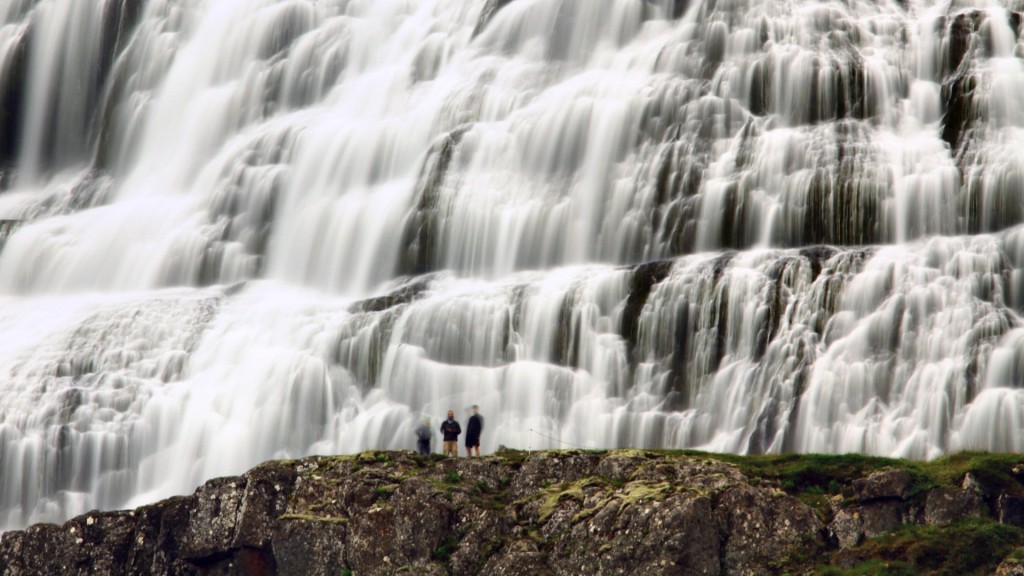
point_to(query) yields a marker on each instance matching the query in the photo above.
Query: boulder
(947, 505)
(1010, 567)
(882, 484)
(212, 518)
(879, 518)
(848, 528)
(1010, 510)
(658, 536)
(971, 483)
(761, 528)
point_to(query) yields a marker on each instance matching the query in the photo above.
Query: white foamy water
(248, 229)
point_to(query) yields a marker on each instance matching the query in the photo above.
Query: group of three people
(450, 430)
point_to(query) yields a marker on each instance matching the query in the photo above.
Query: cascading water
(236, 230)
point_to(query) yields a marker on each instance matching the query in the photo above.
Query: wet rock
(643, 280)
(13, 96)
(961, 28)
(487, 14)
(398, 297)
(817, 256)
(958, 98)
(679, 7)
(422, 230)
(947, 505)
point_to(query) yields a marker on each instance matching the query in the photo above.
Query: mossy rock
(970, 547)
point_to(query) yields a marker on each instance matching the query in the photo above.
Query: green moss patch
(443, 551)
(638, 492)
(385, 492)
(554, 495)
(808, 473)
(621, 495)
(973, 547)
(996, 472)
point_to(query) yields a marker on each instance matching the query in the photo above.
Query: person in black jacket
(473, 430)
(450, 429)
(423, 435)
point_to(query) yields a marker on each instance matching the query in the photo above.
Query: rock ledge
(517, 513)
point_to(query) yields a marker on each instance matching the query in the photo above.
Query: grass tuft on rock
(314, 518)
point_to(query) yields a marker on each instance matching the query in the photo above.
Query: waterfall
(237, 230)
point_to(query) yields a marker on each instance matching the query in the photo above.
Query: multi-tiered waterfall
(236, 230)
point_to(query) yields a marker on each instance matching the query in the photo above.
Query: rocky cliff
(516, 513)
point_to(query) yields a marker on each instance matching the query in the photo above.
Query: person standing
(473, 430)
(423, 435)
(450, 429)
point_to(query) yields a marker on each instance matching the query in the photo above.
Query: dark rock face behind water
(623, 512)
